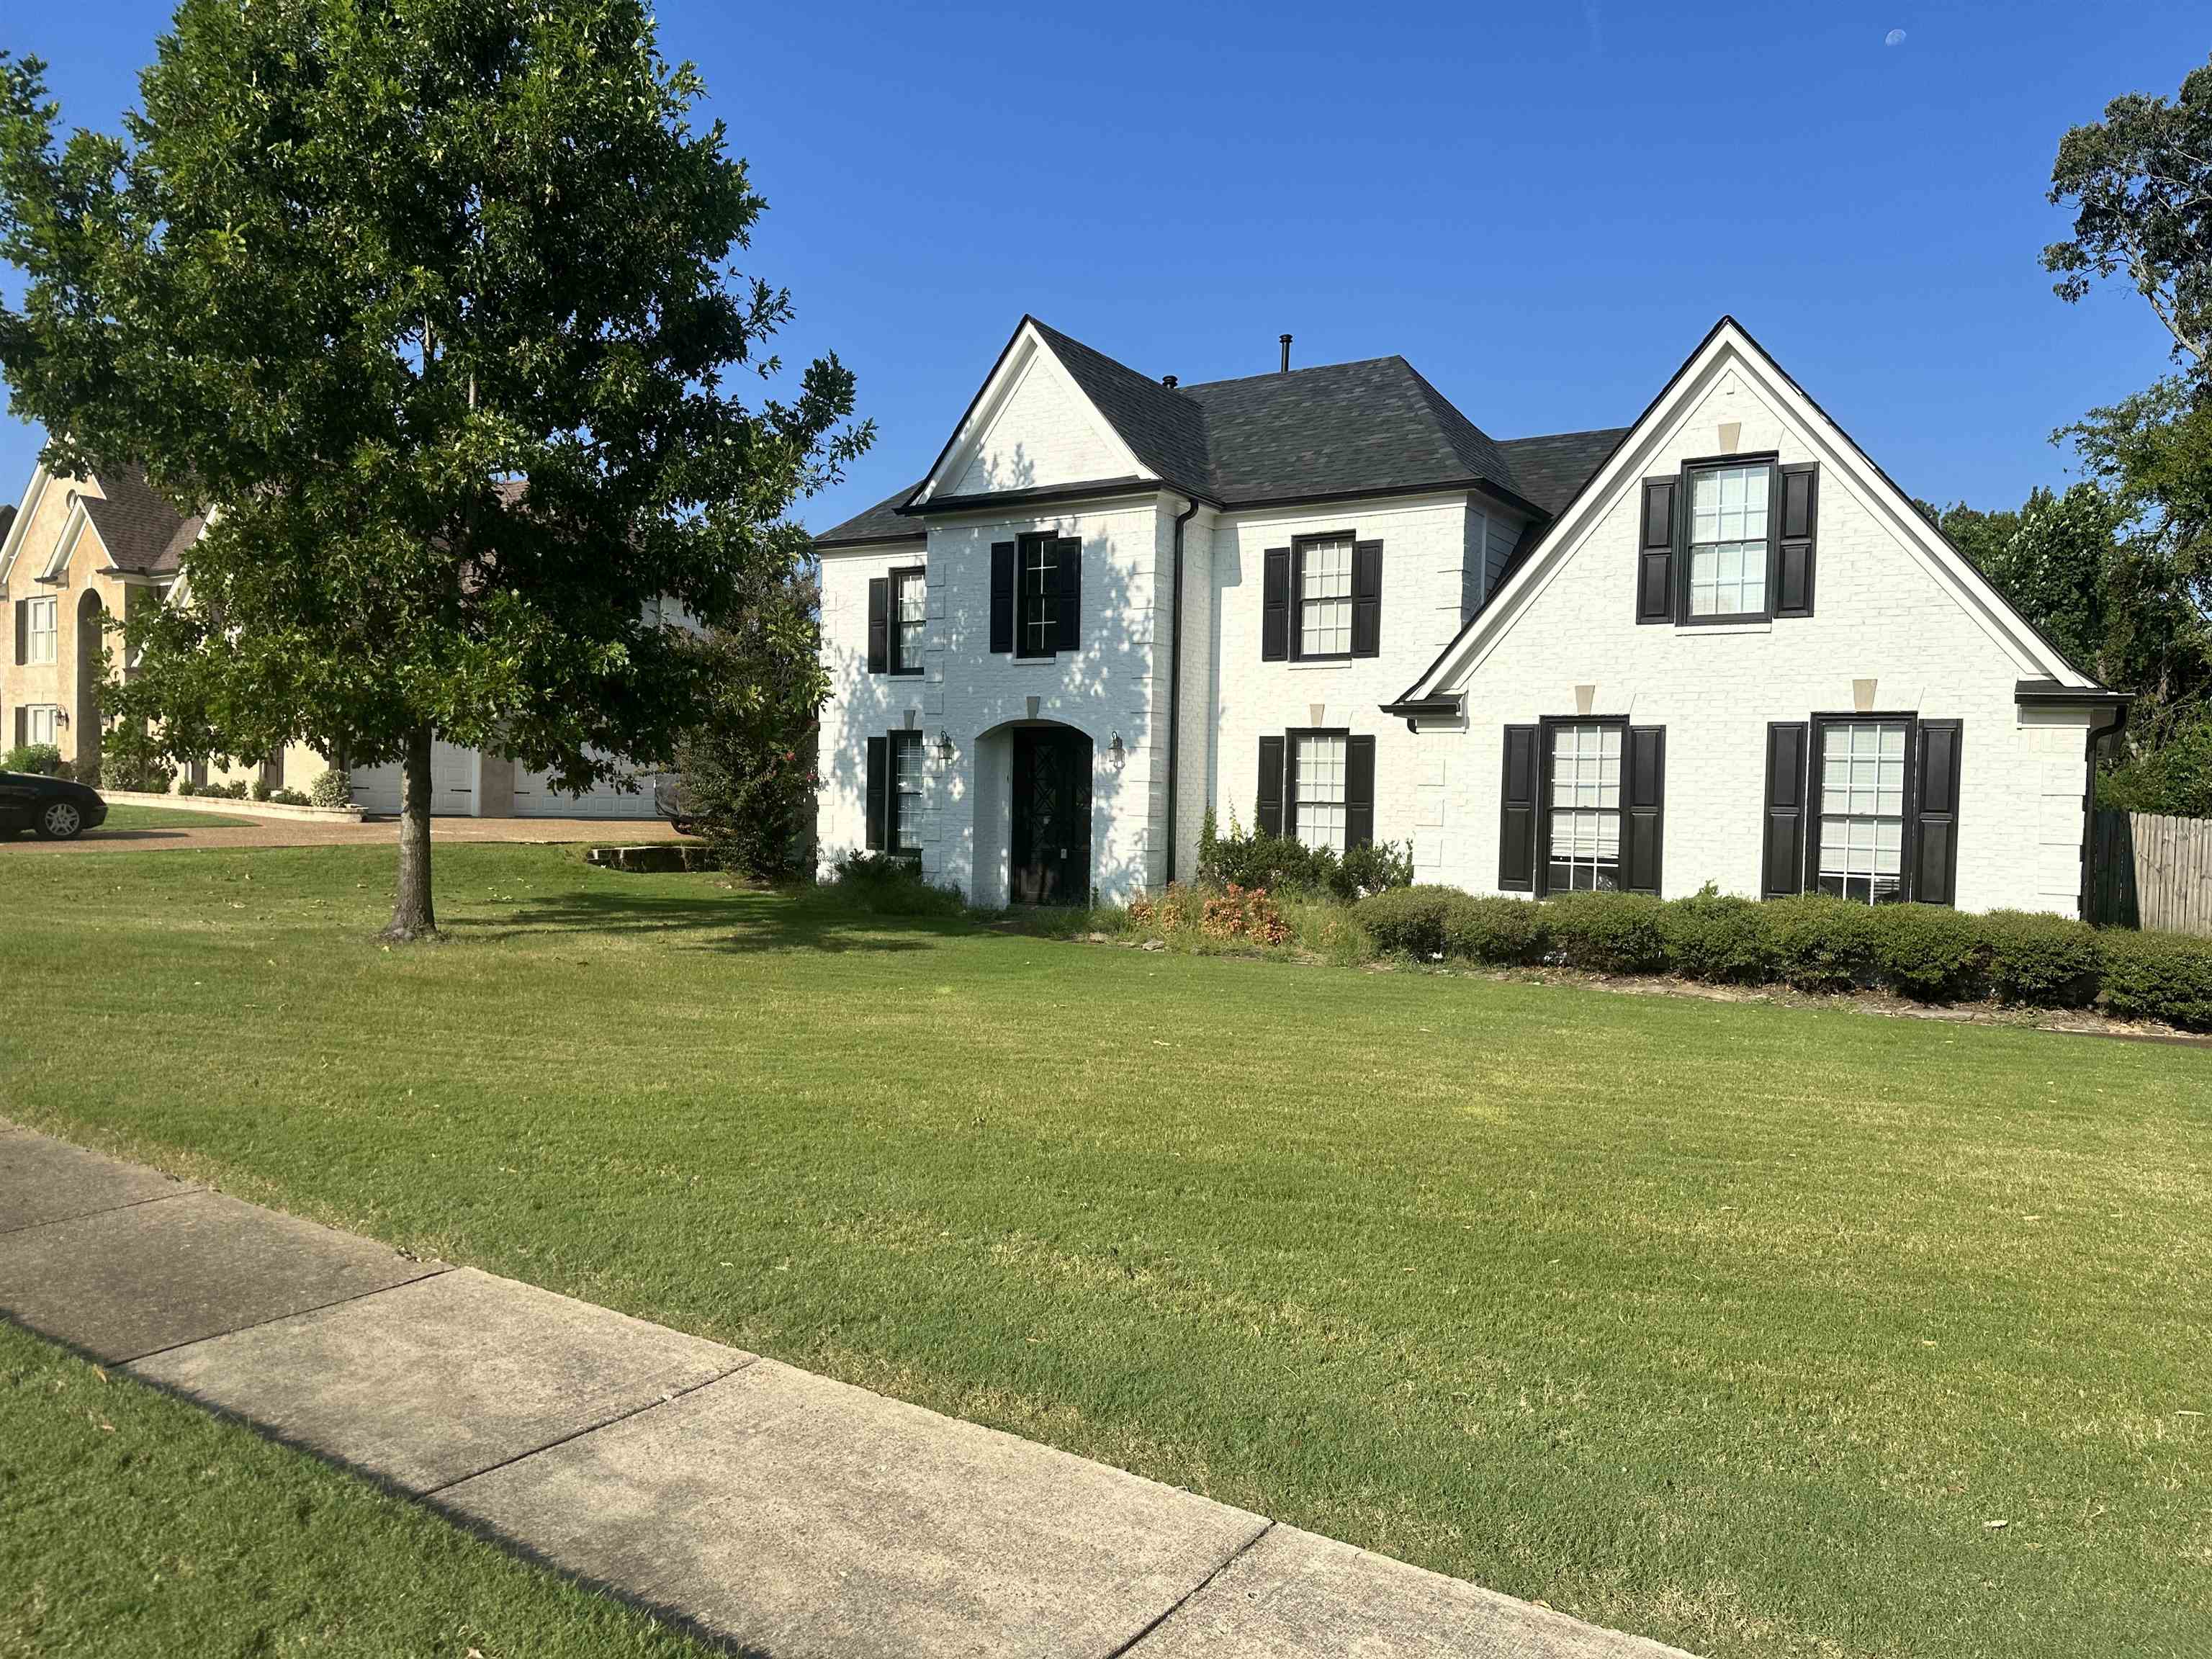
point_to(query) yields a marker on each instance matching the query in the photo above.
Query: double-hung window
(1318, 818)
(1729, 506)
(1582, 828)
(41, 723)
(1862, 810)
(1324, 598)
(909, 619)
(906, 791)
(1038, 592)
(44, 630)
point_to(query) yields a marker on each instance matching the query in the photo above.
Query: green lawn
(130, 815)
(1731, 1324)
(134, 1523)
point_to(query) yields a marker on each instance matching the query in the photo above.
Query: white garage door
(535, 798)
(452, 782)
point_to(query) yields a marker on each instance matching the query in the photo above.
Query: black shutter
(879, 625)
(879, 790)
(1935, 812)
(1366, 599)
(1275, 606)
(1068, 617)
(1655, 552)
(1267, 813)
(1644, 808)
(1795, 531)
(1782, 870)
(1359, 790)
(23, 633)
(1516, 812)
(1002, 597)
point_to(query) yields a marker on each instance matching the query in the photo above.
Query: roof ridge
(1292, 374)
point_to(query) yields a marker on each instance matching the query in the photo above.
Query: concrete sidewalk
(778, 1511)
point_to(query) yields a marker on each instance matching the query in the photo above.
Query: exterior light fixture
(945, 749)
(1115, 752)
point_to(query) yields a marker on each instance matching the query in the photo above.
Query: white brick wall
(1880, 615)
(1883, 614)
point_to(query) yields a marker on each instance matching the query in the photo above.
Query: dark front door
(1051, 816)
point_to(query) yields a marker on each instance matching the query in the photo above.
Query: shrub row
(1284, 865)
(1814, 943)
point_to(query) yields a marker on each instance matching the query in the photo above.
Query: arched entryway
(1033, 814)
(91, 664)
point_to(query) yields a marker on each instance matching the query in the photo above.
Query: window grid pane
(1585, 808)
(1728, 541)
(1325, 600)
(1038, 587)
(1863, 810)
(913, 620)
(906, 788)
(1318, 819)
(43, 629)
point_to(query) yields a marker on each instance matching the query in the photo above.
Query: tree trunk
(413, 916)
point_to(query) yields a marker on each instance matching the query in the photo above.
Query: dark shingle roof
(1551, 468)
(7, 520)
(139, 528)
(1338, 429)
(881, 522)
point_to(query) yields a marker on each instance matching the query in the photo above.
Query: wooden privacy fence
(2150, 871)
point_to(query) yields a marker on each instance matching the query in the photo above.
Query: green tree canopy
(432, 304)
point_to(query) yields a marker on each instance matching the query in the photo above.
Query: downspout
(2098, 738)
(1174, 682)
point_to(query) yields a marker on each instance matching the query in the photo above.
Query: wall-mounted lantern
(1115, 753)
(946, 751)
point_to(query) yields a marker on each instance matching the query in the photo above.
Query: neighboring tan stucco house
(79, 550)
(1715, 646)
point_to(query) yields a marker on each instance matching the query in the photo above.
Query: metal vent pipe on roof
(1287, 354)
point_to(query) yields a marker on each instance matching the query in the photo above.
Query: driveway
(179, 832)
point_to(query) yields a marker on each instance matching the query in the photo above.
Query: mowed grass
(1737, 1326)
(130, 815)
(134, 1523)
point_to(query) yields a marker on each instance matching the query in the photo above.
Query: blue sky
(1543, 208)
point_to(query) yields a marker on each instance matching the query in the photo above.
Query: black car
(59, 809)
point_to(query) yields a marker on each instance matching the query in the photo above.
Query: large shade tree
(431, 303)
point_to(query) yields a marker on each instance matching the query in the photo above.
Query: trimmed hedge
(1813, 943)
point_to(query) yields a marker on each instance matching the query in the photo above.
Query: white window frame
(1585, 807)
(44, 644)
(1323, 624)
(1848, 863)
(1036, 596)
(1743, 552)
(1320, 769)
(50, 715)
(905, 658)
(904, 757)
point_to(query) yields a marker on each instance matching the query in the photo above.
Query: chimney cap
(1286, 353)
(1169, 381)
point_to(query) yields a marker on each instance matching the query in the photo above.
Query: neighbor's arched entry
(91, 660)
(1033, 807)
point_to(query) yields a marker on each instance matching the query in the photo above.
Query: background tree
(746, 776)
(431, 303)
(2140, 183)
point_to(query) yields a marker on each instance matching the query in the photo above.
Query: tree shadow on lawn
(740, 922)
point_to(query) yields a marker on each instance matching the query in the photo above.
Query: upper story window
(1862, 810)
(910, 601)
(1728, 541)
(1037, 600)
(42, 629)
(1321, 600)
(1325, 599)
(899, 620)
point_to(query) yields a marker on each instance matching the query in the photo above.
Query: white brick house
(1718, 644)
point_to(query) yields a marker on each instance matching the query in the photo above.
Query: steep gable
(1735, 399)
(1031, 427)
